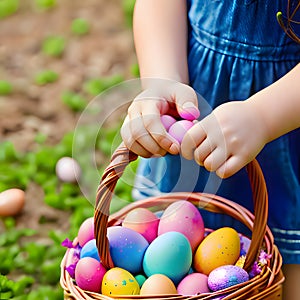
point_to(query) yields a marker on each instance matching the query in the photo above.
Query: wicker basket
(266, 285)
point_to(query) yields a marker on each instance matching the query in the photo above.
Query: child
(226, 51)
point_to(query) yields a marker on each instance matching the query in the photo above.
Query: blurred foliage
(46, 76)
(54, 46)
(128, 7)
(45, 4)
(80, 26)
(5, 86)
(35, 265)
(8, 7)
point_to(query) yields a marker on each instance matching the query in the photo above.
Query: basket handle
(122, 157)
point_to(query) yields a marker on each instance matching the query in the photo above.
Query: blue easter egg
(90, 250)
(127, 248)
(169, 254)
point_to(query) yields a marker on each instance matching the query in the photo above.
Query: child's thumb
(187, 104)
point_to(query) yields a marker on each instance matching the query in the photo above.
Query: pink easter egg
(86, 231)
(184, 217)
(167, 121)
(192, 284)
(143, 221)
(89, 273)
(179, 129)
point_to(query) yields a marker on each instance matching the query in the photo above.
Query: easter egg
(226, 276)
(89, 273)
(143, 221)
(11, 202)
(179, 129)
(86, 231)
(192, 284)
(182, 216)
(158, 284)
(67, 169)
(140, 278)
(167, 121)
(127, 248)
(220, 247)
(118, 281)
(90, 250)
(169, 254)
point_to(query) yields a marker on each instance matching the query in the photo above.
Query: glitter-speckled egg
(226, 276)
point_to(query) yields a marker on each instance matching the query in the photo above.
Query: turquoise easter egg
(169, 254)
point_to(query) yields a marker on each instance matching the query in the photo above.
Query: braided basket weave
(266, 285)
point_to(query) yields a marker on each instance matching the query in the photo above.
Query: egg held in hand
(179, 129)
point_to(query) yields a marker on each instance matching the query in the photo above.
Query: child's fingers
(203, 151)
(140, 134)
(215, 159)
(155, 128)
(232, 165)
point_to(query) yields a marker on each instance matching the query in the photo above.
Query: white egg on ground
(67, 169)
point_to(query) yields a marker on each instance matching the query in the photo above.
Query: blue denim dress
(236, 48)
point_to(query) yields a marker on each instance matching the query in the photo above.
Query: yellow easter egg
(220, 247)
(118, 281)
(158, 284)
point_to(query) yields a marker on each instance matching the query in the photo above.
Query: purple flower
(255, 270)
(263, 258)
(75, 256)
(71, 270)
(67, 243)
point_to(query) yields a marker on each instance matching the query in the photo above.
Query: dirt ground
(31, 109)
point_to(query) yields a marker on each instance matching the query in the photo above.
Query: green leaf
(54, 46)
(74, 101)
(5, 86)
(45, 77)
(80, 26)
(96, 86)
(45, 4)
(8, 7)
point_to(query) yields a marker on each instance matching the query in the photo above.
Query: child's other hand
(227, 139)
(142, 130)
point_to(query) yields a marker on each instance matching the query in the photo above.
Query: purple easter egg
(167, 121)
(179, 129)
(127, 248)
(226, 276)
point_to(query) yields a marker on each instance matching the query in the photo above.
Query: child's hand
(143, 132)
(227, 139)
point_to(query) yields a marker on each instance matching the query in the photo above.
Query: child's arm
(160, 35)
(235, 132)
